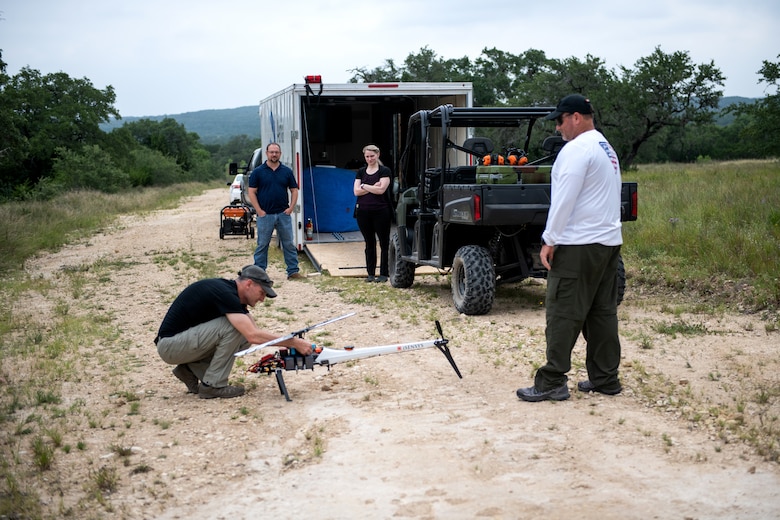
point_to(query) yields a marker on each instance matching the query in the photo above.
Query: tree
(424, 66)
(553, 79)
(238, 150)
(632, 105)
(89, 168)
(167, 137)
(44, 113)
(383, 73)
(6, 113)
(497, 77)
(663, 90)
(761, 129)
(149, 167)
(427, 66)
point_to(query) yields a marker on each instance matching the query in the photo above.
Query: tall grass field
(711, 228)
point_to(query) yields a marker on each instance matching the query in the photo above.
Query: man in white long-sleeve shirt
(581, 248)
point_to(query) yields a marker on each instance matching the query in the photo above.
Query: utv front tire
(473, 280)
(401, 271)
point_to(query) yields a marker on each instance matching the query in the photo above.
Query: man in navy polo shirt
(269, 185)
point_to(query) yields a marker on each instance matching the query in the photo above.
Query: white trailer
(322, 129)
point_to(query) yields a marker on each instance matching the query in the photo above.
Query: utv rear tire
(473, 280)
(401, 272)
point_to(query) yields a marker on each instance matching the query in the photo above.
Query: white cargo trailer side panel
(278, 117)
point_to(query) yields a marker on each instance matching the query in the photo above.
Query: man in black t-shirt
(208, 323)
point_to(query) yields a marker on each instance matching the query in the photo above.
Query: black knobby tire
(621, 280)
(221, 233)
(473, 280)
(401, 271)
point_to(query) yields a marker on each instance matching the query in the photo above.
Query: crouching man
(208, 323)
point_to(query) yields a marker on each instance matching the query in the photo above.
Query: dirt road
(399, 436)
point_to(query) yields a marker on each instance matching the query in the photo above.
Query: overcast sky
(173, 56)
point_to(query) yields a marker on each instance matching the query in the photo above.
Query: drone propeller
(441, 344)
(438, 328)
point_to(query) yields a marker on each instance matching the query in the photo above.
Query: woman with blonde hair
(373, 211)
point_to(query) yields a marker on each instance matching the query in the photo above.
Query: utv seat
(479, 146)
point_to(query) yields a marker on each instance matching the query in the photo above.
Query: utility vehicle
(476, 206)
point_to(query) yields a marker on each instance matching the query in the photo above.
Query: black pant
(582, 297)
(375, 224)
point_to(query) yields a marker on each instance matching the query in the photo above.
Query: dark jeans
(284, 230)
(582, 297)
(375, 224)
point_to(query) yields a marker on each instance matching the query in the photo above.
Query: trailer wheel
(401, 272)
(621, 280)
(473, 280)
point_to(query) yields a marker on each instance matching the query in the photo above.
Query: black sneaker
(369, 278)
(587, 386)
(534, 395)
(186, 376)
(210, 392)
(381, 279)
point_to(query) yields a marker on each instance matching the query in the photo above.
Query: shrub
(92, 169)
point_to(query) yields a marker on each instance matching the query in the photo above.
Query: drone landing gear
(282, 386)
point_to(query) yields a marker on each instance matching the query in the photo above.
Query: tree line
(661, 109)
(51, 141)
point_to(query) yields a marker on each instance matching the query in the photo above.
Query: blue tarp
(329, 190)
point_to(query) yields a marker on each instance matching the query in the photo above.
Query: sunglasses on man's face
(559, 119)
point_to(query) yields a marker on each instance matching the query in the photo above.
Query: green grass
(27, 228)
(710, 228)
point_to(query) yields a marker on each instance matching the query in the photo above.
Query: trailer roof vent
(313, 80)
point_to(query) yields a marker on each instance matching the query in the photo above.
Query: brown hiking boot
(186, 376)
(210, 392)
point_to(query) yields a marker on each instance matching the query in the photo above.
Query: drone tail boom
(328, 356)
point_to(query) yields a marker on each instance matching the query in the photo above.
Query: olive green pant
(207, 349)
(582, 297)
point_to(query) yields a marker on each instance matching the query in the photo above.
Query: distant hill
(725, 102)
(218, 126)
(213, 126)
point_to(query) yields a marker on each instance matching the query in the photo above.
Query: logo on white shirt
(611, 154)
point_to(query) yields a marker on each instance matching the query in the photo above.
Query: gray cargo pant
(208, 349)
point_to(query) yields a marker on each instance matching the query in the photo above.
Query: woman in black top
(374, 211)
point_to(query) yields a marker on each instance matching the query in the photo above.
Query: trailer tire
(401, 272)
(621, 280)
(473, 280)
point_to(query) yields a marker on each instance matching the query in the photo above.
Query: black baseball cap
(570, 104)
(258, 275)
